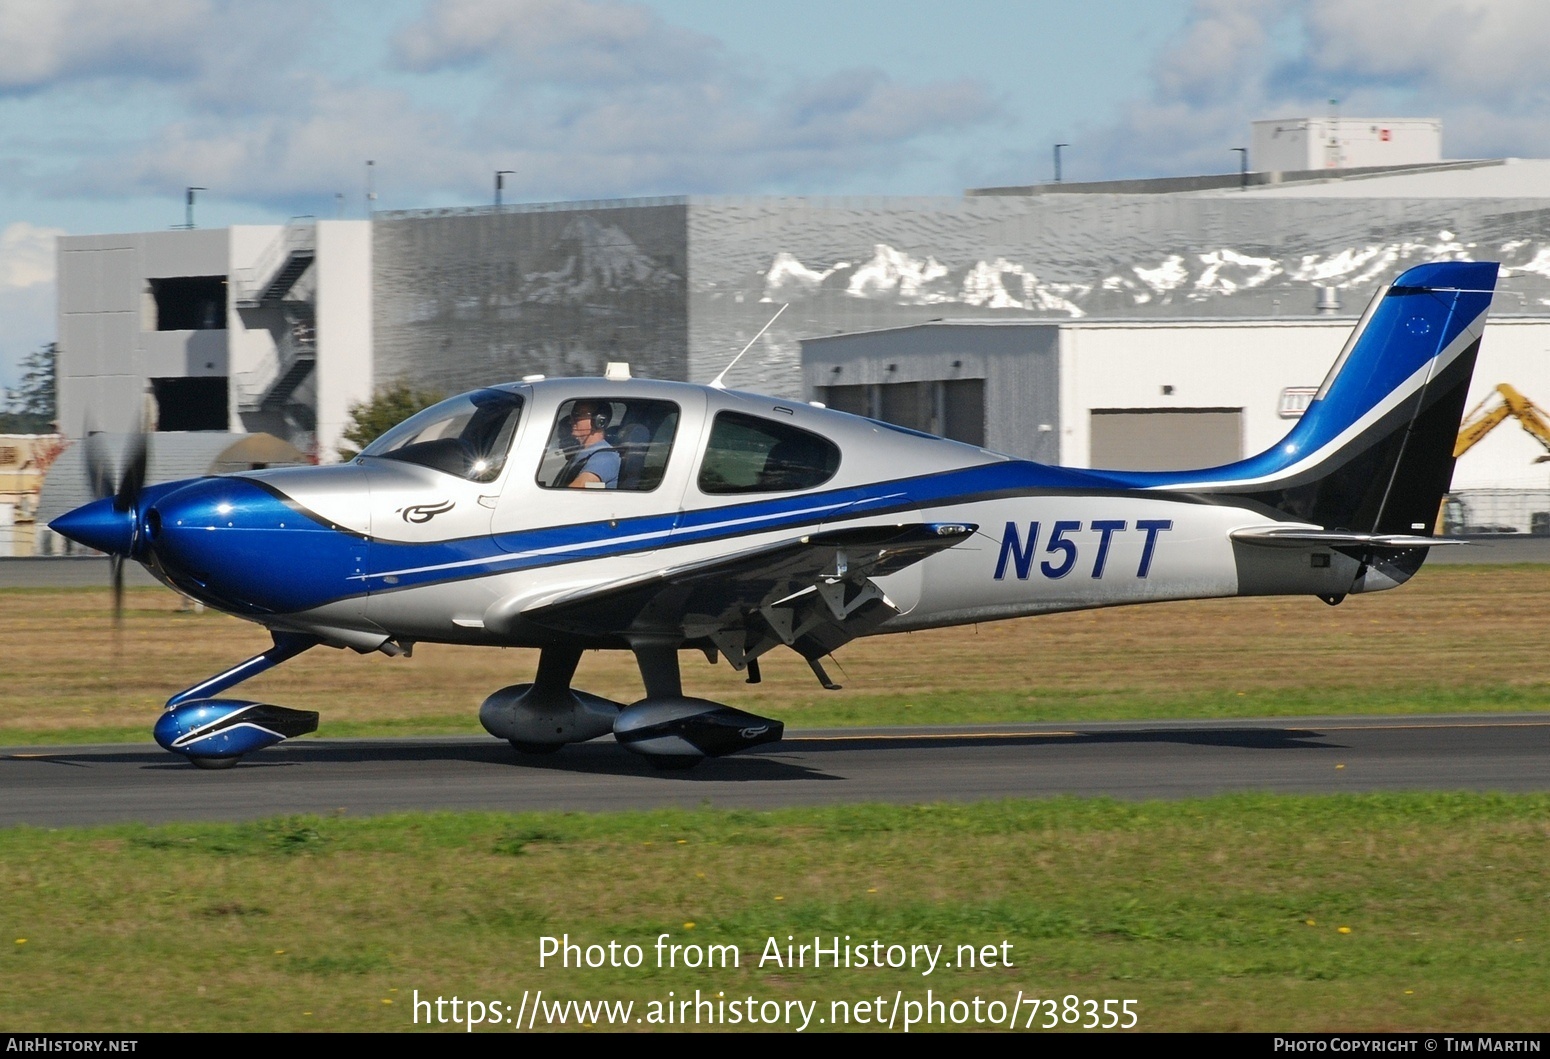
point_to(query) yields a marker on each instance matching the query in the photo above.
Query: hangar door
(949, 408)
(1165, 439)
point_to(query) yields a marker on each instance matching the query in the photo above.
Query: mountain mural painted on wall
(1195, 281)
(592, 258)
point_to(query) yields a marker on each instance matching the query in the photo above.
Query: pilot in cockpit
(595, 463)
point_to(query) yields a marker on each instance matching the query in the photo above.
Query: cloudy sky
(110, 108)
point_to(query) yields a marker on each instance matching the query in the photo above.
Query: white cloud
(1491, 49)
(1479, 65)
(1476, 64)
(1221, 47)
(861, 106)
(601, 97)
(46, 41)
(589, 99)
(27, 255)
(591, 42)
(316, 151)
(582, 98)
(227, 57)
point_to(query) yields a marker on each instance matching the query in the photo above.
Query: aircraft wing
(811, 593)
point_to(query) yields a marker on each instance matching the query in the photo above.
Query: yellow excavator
(1500, 404)
(1486, 417)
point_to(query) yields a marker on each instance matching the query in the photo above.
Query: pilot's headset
(600, 418)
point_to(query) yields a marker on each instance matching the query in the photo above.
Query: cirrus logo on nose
(422, 513)
(753, 732)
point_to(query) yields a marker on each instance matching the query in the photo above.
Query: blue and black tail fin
(1373, 453)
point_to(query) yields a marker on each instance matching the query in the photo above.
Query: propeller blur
(654, 517)
(120, 533)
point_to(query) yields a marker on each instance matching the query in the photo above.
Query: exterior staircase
(272, 283)
(296, 351)
(274, 274)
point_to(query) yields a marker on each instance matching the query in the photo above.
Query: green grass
(1455, 640)
(1222, 914)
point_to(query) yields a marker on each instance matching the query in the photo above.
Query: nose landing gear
(216, 733)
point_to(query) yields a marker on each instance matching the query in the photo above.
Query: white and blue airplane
(655, 517)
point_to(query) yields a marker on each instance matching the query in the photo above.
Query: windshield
(468, 436)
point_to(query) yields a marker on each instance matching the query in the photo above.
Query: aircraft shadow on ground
(764, 764)
(601, 758)
(1227, 738)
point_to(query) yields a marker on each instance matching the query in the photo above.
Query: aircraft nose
(245, 547)
(99, 525)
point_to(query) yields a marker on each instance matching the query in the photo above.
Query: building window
(190, 303)
(963, 410)
(857, 400)
(1164, 439)
(191, 403)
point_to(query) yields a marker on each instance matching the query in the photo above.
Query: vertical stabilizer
(1374, 451)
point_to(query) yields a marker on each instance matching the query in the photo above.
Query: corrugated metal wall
(856, 265)
(1018, 364)
(464, 298)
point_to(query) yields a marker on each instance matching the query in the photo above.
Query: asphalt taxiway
(71, 786)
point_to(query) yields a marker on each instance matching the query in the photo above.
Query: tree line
(32, 406)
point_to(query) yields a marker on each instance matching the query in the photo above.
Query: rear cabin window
(747, 454)
(609, 443)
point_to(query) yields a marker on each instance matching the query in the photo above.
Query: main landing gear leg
(215, 733)
(659, 670)
(556, 667)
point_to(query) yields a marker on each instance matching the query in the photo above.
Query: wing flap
(788, 589)
(1312, 536)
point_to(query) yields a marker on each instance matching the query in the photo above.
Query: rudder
(1373, 453)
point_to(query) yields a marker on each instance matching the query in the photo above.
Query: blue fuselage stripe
(245, 555)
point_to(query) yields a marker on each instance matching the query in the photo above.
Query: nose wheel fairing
(223, 729)
(213, 732)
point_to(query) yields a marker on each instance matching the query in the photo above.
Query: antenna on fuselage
(716, 383)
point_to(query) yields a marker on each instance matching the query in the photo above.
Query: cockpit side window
(609, 443)
(747, 454)
(468, 436)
